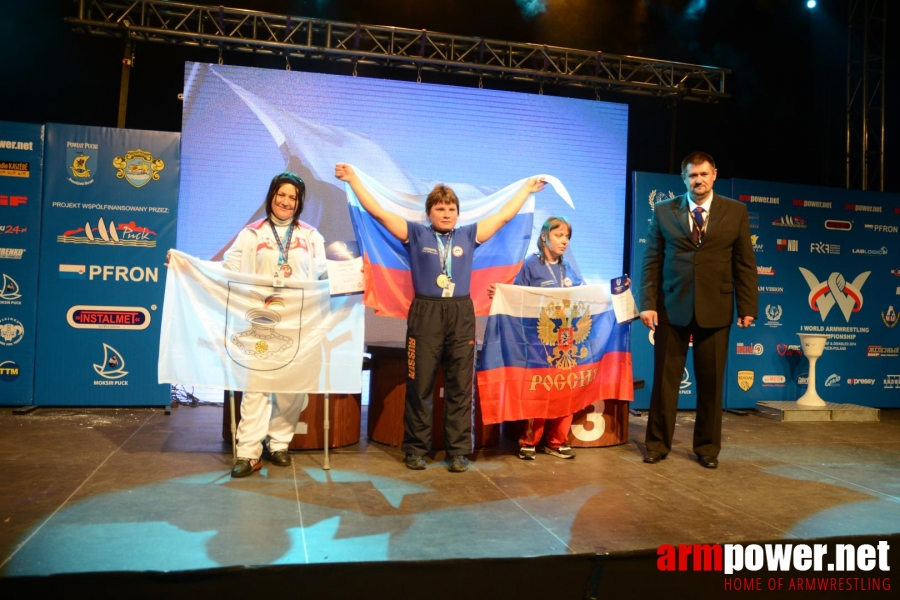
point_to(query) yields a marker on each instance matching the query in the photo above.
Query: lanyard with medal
(562, 281)
(444, 280)
(284, 269)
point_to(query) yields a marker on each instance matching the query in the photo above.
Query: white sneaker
(527, 453)
(561, 452)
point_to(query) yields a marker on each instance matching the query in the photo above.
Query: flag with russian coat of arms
(551, 352)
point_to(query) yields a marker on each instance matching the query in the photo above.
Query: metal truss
(305, 38)
(866, 38)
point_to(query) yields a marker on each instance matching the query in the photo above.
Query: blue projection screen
(241, 126)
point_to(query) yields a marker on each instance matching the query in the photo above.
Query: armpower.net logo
(801, 567)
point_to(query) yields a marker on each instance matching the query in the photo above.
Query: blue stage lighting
(811, 4)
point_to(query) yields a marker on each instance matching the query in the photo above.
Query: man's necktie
(697, 230)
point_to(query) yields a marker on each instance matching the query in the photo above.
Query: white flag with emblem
(234, 331)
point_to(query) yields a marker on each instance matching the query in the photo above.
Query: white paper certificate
(622, 300)
(345, 268)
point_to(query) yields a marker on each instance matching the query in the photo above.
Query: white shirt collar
(704, 205)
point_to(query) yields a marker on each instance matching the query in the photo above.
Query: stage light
(811, 4)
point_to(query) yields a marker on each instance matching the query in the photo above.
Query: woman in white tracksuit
(280, 245)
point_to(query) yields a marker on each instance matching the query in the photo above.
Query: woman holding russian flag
(547, 268)
(441, 319)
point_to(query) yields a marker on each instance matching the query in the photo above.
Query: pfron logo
(869, 226)
(112, 367)
(760, 270)
(873, 351)
(11, 331)
(129, 234)
(71, 271)
(754, 349)
(9, 293)
(9, 371)
(782, 245)
(110, 273)
(685, 383)
(789, 221)
(773, 314)
(138, 167)
(745, 380)
(12, 200)
(858, 381)
(838, 225)
(789, 350)
(833, 380)
(889, 318)
(823, 248)
(108, 317)
(824, 295)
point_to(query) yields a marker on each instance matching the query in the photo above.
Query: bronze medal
(286, 269)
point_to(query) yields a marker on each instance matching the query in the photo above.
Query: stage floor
(86, 490)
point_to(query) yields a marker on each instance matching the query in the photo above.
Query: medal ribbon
(553, 275)
(444, 252)
(283, 249)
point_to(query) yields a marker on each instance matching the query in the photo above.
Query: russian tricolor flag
(388, 278)
(550, 352)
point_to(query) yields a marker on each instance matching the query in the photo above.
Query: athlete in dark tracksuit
(441, 319)
(440, 333)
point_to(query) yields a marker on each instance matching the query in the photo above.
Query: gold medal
(443, 281)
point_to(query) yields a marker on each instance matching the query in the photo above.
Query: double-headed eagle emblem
(563, 326)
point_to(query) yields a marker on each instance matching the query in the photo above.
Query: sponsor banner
(21, 160)
(829, 274)
(831, 268)
(102, 276)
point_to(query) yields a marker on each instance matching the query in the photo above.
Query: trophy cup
(813, 345)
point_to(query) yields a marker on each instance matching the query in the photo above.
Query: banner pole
(326, 466)
(233, 428)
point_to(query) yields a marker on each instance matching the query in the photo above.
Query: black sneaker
(459, 464)
(415, 462)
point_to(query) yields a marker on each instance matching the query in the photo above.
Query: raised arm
(491, 224)
(391, 221)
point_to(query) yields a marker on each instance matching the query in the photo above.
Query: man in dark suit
(699, 261)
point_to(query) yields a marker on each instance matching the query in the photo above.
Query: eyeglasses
(286, 197)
